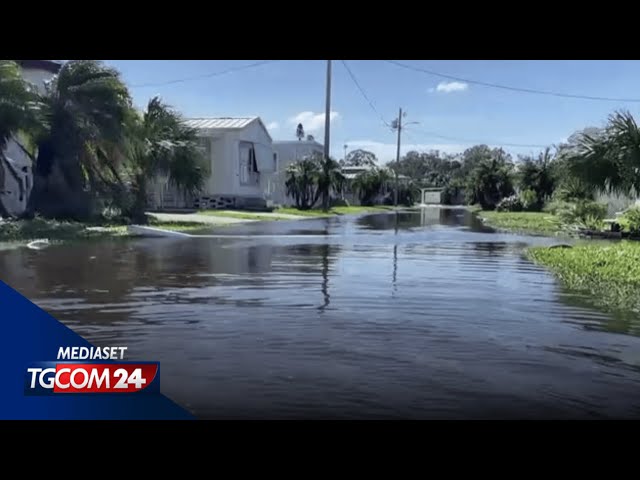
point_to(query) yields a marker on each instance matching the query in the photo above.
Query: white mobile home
(16, 175)
(240, 161)
(286, 153)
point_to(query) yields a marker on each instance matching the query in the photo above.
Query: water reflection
(420, 314)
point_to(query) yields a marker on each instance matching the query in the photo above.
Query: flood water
(421, 314)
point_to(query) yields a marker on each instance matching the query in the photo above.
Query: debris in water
(38, 244)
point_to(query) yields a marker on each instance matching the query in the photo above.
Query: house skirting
(224, 202)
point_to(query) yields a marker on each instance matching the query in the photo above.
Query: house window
(275, 161)
(248, 166)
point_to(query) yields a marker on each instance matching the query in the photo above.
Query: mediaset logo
(91, 370)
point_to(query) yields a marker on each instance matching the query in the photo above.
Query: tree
(361, 158)
(475, 155)
(428, 169)
(371, 183)
(15, 114)
(301, 182)
(329, 178)
(536, 174)
(81, 120)
(300, 132)
(609, 160)
(489, 182)
(161, 145)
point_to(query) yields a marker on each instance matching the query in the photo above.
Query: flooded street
(423, 314)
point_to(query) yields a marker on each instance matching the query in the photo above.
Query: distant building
(18, 168)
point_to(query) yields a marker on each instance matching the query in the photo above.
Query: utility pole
(399, 126)
(345, 152)
(327, 113)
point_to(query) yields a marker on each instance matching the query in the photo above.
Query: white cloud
(386, 152)
(449, 87)
(273, 126)
(312, 122)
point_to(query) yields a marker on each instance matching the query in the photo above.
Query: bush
(573, 189)
(510, 204)
(556, 206)
(583, 213)
(631, 219)
(529, 200)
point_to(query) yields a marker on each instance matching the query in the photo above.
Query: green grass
(240, 215)
(318, 212)
(179, 226)
(41, 229)
(522, 222)
(38, 229)
(608, 272)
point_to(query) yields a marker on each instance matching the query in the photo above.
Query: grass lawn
(240, 215)
(523, 222)
(39, 229)
(180, 226)
(318, 212)
(609, 272)
(42, 229)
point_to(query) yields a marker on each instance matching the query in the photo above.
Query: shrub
(591, 222)
(510, 204)
(554, 207)
(631, 219)
(529, 200)
(572, 189)
(584, 212)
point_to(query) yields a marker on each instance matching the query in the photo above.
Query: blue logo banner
(29, 336)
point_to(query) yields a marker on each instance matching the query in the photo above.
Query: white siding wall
(225, 162)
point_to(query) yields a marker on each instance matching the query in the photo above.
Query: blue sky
(286, 92)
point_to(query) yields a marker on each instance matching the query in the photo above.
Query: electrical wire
(507, 87)
(474, 142)
(366, 97)
(207, 75)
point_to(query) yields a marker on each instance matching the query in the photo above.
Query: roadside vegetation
(537, 223)
(91, 150)
(350, 210)
(608, 273)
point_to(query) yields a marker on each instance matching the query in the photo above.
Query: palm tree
(537, 175)
(329, 178)
(370, 184)
(610, 162)
(161, 145)
(81, 121)
(16, 114)
(301, 182)
(489, 182)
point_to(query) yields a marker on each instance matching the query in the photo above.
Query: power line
(507, 87)
(432, 134)
(366, 97)
(206, 75)
(475, 142)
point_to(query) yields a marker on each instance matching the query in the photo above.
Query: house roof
(46, 65)
(214, 124)
(220, 123)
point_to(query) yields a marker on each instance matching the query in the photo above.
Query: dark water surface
(417, 315)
